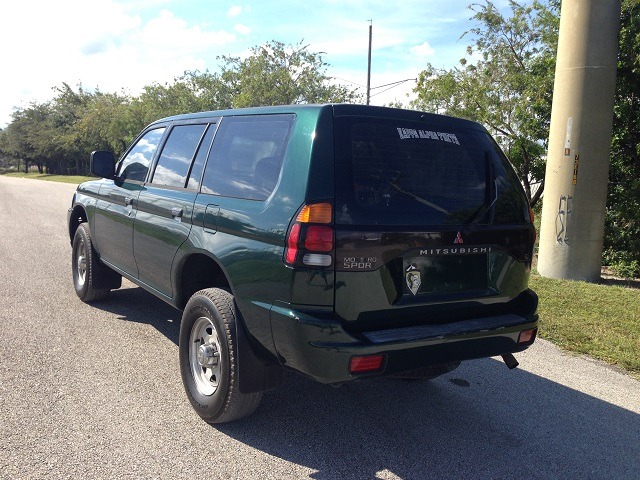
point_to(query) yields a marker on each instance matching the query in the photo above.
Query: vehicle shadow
(479, 421)
(134, 304)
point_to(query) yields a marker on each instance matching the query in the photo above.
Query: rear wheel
(85, 266)
(209, 358)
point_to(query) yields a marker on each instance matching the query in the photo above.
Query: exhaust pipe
(510, 361)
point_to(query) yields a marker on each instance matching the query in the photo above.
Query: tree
(622, 221)
(22, 140)
(279, 74)
(108, 123)
(60, 135)
(505, 83)
(274, 74)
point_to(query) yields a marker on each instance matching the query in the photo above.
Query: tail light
(532, 217)
(310, 240)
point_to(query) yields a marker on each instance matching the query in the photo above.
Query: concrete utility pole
(369, 62)
(575, 191)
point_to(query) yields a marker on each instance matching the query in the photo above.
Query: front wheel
(209, 358)
(85, 266)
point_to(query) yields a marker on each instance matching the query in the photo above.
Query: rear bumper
(322, 349)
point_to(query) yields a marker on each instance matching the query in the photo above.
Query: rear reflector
(527, 337)
(370, 363)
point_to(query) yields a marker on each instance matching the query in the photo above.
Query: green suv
(338, 241)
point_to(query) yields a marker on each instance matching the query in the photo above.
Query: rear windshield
(407, 173)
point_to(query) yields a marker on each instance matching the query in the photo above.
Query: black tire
(428, 373)
(208, 358)
(84, 263)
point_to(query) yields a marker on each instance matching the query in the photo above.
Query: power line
(349, 81)
(393, 85)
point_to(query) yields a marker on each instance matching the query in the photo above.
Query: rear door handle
(128, 201)
(176, 212)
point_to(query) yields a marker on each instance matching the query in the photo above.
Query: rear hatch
(431, 223)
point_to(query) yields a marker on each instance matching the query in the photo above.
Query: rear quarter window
(246, 156)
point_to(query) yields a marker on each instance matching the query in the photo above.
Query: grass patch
(601, 321)
(52, 178)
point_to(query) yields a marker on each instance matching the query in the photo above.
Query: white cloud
(234, 11)
(423, 50)
(168, 35)
(242, 29)
(103, 45)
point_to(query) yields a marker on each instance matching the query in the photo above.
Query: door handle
(128, 201)
(176, 212)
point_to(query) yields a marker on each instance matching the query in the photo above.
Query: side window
(178, 151)
(246, 156)
(136, 164)
(201, 156)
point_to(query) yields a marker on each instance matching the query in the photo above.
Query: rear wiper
(394, 183)
(490, 191)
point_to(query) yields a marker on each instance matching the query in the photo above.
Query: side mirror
(103, 164)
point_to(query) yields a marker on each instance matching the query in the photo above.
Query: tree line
(57, 136)
(504, 82)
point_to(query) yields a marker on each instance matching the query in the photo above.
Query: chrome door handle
(128, 201)
(176, 212)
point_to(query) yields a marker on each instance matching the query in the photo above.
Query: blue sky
(123, 45)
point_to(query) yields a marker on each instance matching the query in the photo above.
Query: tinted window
(246, 156)
(136, 164)
(178, 151)
(400, 172)
(201, 156)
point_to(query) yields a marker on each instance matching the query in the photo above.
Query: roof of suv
(339, 110)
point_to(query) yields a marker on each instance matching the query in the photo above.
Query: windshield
(401, 172)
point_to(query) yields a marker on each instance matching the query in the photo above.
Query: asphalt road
(95, 392)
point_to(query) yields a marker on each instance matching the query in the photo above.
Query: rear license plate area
(444, 274)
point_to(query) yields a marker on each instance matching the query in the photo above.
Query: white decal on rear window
(427, 134)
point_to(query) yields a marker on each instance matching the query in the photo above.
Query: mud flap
(106, 278)
(255, 374)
